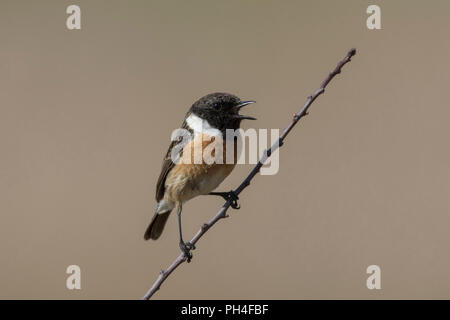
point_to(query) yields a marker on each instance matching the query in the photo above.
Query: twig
(222, 212)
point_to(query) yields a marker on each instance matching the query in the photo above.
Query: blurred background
(86, 117)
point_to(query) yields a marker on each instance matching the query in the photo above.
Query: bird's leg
(186, 247)
(230, 195)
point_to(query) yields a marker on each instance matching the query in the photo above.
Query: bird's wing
(167, 165)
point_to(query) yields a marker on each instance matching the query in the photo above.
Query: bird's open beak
(241, 117)
(243, 104)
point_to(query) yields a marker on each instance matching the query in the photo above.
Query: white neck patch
(199, 126)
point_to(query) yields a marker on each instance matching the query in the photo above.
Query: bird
(209, 119)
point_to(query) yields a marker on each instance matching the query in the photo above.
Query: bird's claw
(229, 196)
(234, 198)
(186, 248)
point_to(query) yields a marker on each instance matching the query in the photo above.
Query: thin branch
(222, 212)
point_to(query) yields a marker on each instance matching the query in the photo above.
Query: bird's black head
(221, 110)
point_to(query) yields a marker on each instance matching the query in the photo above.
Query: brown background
(86, 118)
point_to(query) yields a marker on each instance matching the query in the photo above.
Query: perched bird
(207, 120)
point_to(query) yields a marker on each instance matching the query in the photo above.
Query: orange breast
(189, 179)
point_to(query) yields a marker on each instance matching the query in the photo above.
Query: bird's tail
(156, 227)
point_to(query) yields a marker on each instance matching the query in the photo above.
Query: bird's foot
(230, 195)
(186, 248)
